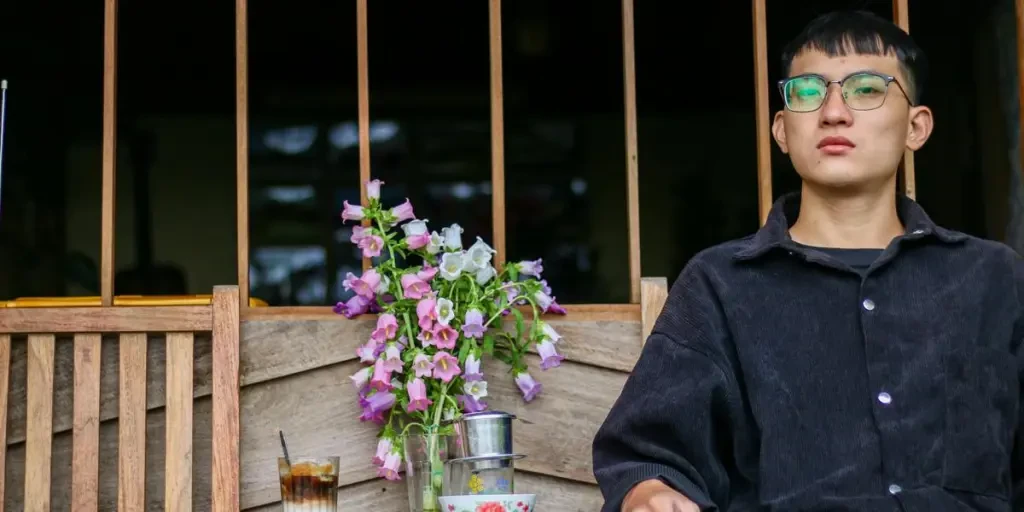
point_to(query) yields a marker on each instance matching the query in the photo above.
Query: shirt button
(895, 489)
(885, 398)
(918, 231)
(868, 304)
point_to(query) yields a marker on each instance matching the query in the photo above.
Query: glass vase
(425, 455)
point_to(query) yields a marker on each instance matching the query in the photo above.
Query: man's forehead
(835, 67)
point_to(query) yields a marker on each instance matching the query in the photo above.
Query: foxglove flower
(426, 313)
(418, 400)
(473, 326)
(446, 366)
(543, 300)
(383, 449)
(373, 189)
(452, 264)
(364, 286)
(470, 404)
(413, 287)
(354, 307)
(422, 365)
(530, 268)
(389, 470)
(359, 233)
(527, 386)
(484, 275)
(416, 235)
(387, 328)
(549, 332)
(479, 255)
(472, 372)
(445, 336)
(367, 352)
(352, 212)
(476, 389)
(402, 212)
(393, 359)
(427, 272)
(444, 311)
(435, 244)
(549, 358)
(371, 246)
(360, 378)
(452, 237)
(381, 380)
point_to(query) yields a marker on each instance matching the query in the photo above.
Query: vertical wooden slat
(109, 152)
(901, 16)
(497, 136)
(178, 465)
(764, 155)
(39, 419)
(654, 292)
(131, 423)
(5, 378)
(632, 164)
(225, 399)
(85, 449)
(363, 91)
(242, 145)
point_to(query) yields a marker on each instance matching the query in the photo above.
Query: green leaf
(513, 273)
(489, 344)
(463, 352)
(519, 322)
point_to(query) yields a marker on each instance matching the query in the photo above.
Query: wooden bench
(87, 330)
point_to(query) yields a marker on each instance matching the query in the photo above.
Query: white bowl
(488, 503)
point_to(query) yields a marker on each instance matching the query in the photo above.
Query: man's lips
(836, 141)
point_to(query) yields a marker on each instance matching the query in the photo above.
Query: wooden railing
(132, 326)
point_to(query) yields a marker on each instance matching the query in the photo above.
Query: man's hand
(655, 496)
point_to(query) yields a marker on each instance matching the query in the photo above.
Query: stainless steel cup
(483, 434)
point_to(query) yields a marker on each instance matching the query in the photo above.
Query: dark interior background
(429, 76)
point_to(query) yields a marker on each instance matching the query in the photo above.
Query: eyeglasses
(861, 91)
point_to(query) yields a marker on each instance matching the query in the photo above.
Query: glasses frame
(889, 79)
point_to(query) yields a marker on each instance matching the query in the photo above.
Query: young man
(851, 355)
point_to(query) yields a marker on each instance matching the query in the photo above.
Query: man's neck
(855, 221)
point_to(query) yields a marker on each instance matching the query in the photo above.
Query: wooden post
(901, 16)
(632, 164)
(242, 146)
(363, 86)
(764, 155)
(497, 137)
(109, 152)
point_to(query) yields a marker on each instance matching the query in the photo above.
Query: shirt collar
(775, 232)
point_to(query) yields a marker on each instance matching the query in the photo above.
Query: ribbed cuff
(647, 471)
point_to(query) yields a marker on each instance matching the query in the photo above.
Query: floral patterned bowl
(488, 503)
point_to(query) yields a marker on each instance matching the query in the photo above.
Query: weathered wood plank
(103, 320)
(131, 442)
(38, 444)
(226, 401)
(178, 447)
(86, 430)
(5, 377)
(552, 494)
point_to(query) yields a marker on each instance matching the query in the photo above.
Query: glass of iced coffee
(309, 484)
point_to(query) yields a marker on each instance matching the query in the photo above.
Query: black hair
(860, 32)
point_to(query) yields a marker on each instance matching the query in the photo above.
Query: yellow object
(120, 300)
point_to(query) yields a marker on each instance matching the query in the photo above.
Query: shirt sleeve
(1017, 457)
(680, 408)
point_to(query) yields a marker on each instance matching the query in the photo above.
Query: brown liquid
(310, 488)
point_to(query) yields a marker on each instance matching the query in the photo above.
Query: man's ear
(779, 131)
(920, 127)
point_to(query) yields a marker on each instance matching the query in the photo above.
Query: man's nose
(835, 111)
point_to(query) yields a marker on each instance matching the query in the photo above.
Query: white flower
(415, 227)
(435, 244)
(445, 311)
(476, 389)
(452, 237)
(382, 286)
(484, 275)
(550, 333)
(480, 254)
(452, 264)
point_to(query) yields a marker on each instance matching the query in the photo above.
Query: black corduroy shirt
(780, 378)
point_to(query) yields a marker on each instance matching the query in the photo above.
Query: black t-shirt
(859, 259)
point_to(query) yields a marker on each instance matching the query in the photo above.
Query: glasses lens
(864, 91)
(804, 93)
